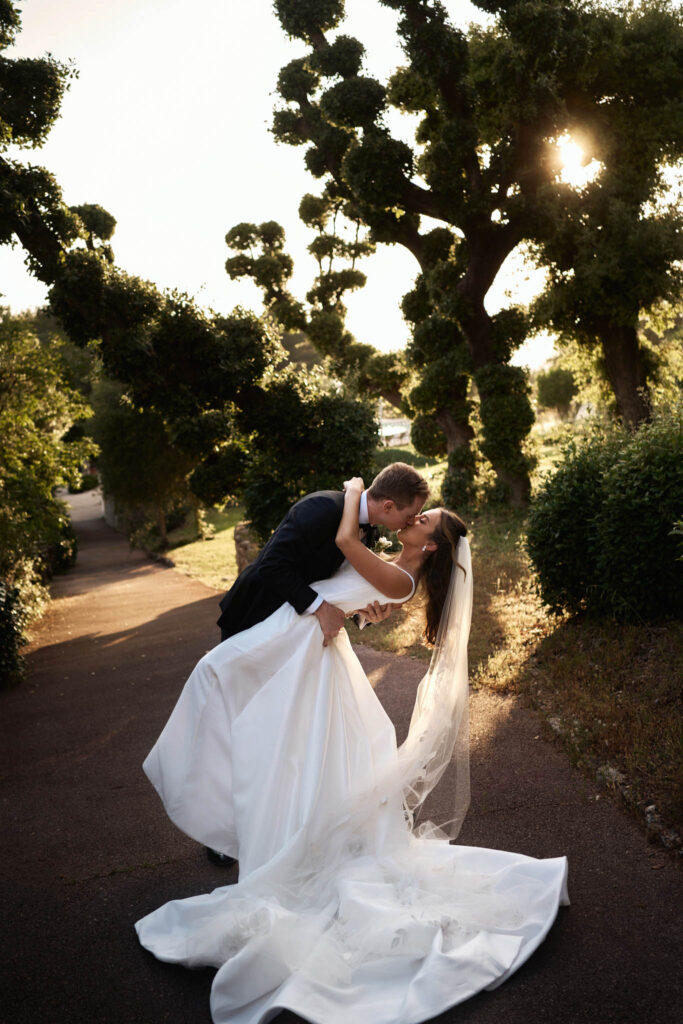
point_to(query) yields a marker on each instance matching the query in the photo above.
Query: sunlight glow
(575, 167)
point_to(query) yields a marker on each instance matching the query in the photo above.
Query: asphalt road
(87, 848)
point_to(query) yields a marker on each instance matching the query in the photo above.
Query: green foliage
(61, 553)
(353, 102)
(261, 257)
(614, 248)
(457, 488)
(220, 476)
(98, 224)
(139, 465)
(326, 331)
(555, 389)
(31, 202)
(90, 298)
(661, 336)
(608, 260)
(37, 409)
(31, 92)
(12, 622)
(491, 102)
(172, 356)
(315, 211)
(376, 168)
(307, 439)
(31, 89)
(296, 80)
(428, 437)
(435, 337)
(342, 57)
(588, 371)
(287, 128)
(88, 482)
(506, 417)
(600, 532)
(302, 18)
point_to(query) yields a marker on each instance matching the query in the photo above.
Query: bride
(278, 753)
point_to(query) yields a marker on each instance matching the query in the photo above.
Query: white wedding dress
(279, 753)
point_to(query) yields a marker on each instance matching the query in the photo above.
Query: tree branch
(454, 99)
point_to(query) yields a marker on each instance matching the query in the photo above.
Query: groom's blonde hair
(400, 483)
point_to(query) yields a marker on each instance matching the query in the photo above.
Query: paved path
(87, 848)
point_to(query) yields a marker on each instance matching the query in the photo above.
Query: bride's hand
(355, 483)
(377, 612)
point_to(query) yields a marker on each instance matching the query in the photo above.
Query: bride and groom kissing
(279, 754)
(303, 549)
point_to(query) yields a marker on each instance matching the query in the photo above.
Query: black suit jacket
(300, 551)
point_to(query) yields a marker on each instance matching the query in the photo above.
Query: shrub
(12, 622)
(62, 552)
(87, 482)
(601, 529)
(385, 456)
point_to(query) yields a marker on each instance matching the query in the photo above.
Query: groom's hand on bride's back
(331, 620)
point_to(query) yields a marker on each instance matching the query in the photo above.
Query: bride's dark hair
(437, 566)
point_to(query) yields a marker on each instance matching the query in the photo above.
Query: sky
(167, 127)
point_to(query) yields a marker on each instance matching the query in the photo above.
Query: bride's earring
(424, 548)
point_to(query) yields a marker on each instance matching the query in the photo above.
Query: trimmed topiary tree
(601, 530)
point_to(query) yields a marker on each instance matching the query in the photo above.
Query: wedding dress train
(279, 753)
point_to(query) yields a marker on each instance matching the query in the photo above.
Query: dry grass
(612, 693)
(609, 693)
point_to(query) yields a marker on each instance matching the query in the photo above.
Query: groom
(302, 549)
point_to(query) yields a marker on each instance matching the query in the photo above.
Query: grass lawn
(609, 693)
(212, 561)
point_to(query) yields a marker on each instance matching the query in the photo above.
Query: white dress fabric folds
(279, 753)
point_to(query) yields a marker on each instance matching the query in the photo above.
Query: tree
(206, 378)
(260, 255)
(555, 389)
(614, 249)
(490, 103)
(139, 465)
(31, 92)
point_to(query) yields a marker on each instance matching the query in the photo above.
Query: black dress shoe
(222, 859)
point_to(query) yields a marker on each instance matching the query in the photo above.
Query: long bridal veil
(438, 737)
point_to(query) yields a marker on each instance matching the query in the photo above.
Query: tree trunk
(517, 485)
(625, 368)
(393, 396)
(458, 433)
